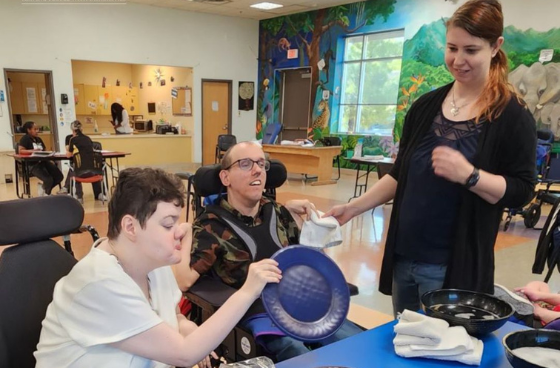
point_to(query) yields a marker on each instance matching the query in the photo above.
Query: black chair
(89, 167)
(209, 292)
(225, 141)
(548, 253)
(30, 269)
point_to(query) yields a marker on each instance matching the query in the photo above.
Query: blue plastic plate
(311, 301)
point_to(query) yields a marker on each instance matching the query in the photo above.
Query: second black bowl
(478, 313)
(527, 339)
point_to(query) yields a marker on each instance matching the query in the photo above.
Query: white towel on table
(320, 232)
(471, 357)
(419, 325)
(454, 341)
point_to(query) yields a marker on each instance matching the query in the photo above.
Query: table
(385, 163)
(22, 168)
(306, 160)
(374, 349)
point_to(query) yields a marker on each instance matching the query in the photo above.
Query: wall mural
(319, 38)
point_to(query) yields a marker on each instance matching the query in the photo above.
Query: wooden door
(216, 116)
(295, 102)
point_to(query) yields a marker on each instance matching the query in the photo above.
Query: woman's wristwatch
(472, 179)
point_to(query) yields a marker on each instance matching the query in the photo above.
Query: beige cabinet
(91, 100)
(16, 98)
(79, 99)
(134, 106)
(105, 100)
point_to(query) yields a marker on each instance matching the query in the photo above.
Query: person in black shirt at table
(79, 142)
(46, 170)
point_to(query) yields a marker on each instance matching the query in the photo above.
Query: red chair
(89, 167)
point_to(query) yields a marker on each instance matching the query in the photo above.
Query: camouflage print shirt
(216, 248)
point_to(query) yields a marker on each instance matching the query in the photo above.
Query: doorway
(216, 115)
(30, 99)
(295, 102)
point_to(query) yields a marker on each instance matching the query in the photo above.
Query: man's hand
(300, 206)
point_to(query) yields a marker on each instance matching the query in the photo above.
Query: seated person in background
(535, 300)
(216, 247)
(118, 305)
(79, 142)
(46, 170)
(120, 119)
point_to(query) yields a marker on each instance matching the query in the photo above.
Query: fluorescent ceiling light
(266, 6)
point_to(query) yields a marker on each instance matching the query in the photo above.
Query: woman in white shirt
(120, 119)
(118, 305)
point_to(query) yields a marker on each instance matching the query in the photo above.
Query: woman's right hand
(342, 213)
(261, 273)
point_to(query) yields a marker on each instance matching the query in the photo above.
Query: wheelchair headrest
(29, 220)
(207, 178)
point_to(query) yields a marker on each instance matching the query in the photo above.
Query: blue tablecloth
(374, 349)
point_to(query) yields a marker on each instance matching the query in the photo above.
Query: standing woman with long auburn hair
(467, 151)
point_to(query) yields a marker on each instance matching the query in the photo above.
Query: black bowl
(529, 338)
(478, 313)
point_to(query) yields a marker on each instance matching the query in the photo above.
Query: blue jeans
(411, 279)
(285, 347)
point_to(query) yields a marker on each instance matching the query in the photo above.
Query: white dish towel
(318, 232)
(427, 330)
(422, 336)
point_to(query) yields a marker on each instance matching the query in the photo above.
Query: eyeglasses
(246, 164)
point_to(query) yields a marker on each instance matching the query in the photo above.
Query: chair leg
(338, 166)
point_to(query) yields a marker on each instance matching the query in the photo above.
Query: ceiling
(241, 8)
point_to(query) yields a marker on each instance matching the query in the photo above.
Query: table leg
(17, 180)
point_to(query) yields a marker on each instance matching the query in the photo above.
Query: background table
(306, 160)
(374, 349)
(22, 167)
(361, 187)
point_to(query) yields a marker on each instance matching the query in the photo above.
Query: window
(370, 83)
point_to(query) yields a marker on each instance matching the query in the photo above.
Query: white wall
(48, 37)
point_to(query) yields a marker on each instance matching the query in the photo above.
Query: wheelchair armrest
(209, 293)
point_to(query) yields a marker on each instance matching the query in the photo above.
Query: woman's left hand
(450, 164)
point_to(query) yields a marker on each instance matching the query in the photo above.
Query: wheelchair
(209, 292)
(30, 265)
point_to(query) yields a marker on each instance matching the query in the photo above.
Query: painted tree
(310, 27)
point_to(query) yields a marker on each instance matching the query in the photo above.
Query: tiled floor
(361, 253)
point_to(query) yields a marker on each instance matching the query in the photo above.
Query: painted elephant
(530, 83)
(552, 93)
(549, 115)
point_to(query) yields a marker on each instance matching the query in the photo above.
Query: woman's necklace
(147, 277)
(454, 108)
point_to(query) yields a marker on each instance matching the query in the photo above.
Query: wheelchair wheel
(532, 215)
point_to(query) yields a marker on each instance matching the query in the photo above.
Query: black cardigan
(507, 147)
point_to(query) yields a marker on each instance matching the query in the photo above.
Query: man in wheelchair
(246, 227)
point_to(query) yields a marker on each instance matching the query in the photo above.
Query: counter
(148, 149)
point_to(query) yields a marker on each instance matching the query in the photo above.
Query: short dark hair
(28, 125)
(138, 192)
